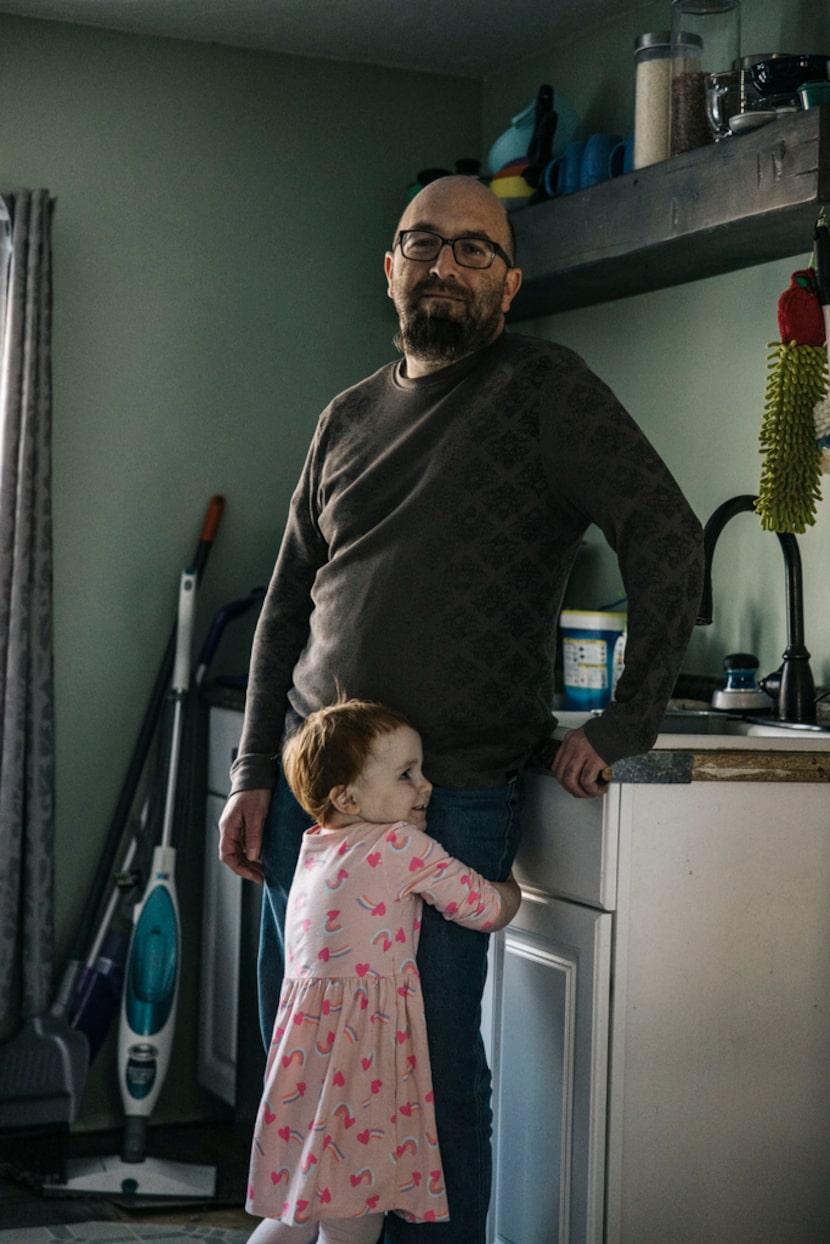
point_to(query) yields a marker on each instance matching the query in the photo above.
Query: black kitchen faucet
(791, 685)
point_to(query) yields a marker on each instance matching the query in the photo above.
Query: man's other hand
(240, 832)
(578, 767)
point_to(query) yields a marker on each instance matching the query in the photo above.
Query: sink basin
(699, 729)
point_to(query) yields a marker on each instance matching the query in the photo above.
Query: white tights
(365, 1230)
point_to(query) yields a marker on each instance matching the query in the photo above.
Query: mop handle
(178, 691)
(184, 631)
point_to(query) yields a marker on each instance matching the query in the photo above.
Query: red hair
(331, 748)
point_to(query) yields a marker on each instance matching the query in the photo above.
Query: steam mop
(151, 983)
(44, 1067)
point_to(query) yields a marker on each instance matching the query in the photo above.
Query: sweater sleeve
(280, 635)
(417, 864)
(602, 464)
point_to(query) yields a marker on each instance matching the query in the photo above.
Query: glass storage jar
(706, 36)
(652, 83)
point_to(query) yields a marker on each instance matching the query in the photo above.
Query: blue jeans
(480, 827)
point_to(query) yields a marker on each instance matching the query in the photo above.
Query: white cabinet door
(223, 744)
(719, 1126)
(221, 923)
(218, 1003)
(549, 1048)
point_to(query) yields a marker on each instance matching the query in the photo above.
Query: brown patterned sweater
(427, 550)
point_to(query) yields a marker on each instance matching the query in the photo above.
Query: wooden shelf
(747, 200)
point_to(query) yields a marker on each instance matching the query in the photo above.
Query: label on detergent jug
(618, 660)
(585, 663)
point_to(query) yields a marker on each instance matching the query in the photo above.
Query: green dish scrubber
(796, 382)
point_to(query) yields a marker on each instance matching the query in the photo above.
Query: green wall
(219, 233)
(689, 362)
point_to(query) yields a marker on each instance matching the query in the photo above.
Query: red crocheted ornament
(800, 318)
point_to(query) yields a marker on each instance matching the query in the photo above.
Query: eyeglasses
(420, 245)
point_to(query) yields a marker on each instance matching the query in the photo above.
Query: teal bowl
(814, 94)
(513, 143)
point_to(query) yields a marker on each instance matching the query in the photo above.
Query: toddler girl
(346, 1127)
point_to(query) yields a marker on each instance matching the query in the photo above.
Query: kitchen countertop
(724, 764)
(698, 745)
(679, 767)
(681, 758)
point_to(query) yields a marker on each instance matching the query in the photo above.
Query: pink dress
(346, 1125)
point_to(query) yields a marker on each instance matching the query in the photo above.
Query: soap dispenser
(741, 695)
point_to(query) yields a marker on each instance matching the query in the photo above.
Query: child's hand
(511, 901)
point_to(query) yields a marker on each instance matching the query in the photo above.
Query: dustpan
(43, 1068)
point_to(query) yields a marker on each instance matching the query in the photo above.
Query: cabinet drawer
(223, 741)
(569, 846)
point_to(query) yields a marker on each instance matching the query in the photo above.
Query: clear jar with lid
(706, 37)
(652, 93)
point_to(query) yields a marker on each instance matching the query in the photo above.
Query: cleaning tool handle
(137, 761)
(178, 692)
(217, 627)
(212, 519)
(184, 631)
(134, 1142)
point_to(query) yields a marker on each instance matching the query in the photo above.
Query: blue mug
(596, 158)
(562, 174)
(621, 159)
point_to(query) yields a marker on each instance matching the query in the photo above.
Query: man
(426, 554)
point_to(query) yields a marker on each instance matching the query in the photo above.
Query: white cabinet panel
(551, 982)
(719, 1125)
(218, 1011)
(223, 742)
(230, 1058)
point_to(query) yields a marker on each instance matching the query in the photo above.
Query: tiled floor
(121, 1233)
(26, 1212)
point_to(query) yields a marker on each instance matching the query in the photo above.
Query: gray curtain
(26, 682)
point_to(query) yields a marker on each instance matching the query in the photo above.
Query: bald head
(464, 199)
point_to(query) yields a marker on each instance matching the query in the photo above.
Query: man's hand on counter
(578, 767)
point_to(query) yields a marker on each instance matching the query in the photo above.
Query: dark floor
(30, 1161)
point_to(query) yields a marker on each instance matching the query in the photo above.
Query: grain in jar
(705, 40)
(652, 83)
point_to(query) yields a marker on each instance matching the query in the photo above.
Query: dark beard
(438, 338)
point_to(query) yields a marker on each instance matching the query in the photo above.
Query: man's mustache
(441, 287)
